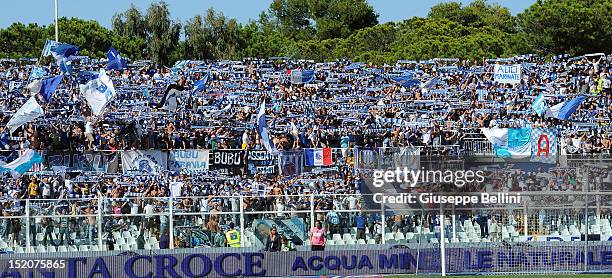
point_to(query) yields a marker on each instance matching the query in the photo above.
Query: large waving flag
(509, 142)
(28, 112)
(48, 86)
(170, 100)
(64, 54)
(200, 85)
(539, 105)
(23, 163)
(564, 110)
(98, 92)
(115, 61)
(262, 128)
(47, 48)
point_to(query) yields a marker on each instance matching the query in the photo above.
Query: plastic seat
(336, 237)
(120, 240)
(347, 237)
(371, 241)
(409, 235)
(350, 242)
(41, 249)
(389, 236)
(83, 248)
(94, 248)
(361, 241)
(399, 235)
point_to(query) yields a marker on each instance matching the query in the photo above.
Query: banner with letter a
(188, 160)
(544, 145)
(507, 74)
(150, 162)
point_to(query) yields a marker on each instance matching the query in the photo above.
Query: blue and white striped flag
(23, 163)
(47, 48)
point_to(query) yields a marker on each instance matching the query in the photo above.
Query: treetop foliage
(333, 29)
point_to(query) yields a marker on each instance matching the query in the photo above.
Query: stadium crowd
(428, 104)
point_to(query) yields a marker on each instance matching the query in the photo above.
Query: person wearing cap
(232, 237)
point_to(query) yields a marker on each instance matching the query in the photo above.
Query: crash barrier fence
(543, 232)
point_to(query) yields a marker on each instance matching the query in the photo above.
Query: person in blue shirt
(360, 223)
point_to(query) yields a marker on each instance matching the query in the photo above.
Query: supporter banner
(83, 161)
(459, 260)
(509, 74)
(544, 145)
(188, 160)
(261, 162)
(389, 158)
(152, 162)
(291, 163)
(228, 160)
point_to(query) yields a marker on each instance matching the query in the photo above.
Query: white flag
(98, 92)
(29, 111)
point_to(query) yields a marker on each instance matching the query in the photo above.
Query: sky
(41, 11)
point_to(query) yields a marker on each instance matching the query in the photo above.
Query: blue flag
(564, 110)
(48, 87)
(145, 92)
(47, 48)
(115, 61)
(64, 50)
(539, 105)
(200, 85)
(64, 54)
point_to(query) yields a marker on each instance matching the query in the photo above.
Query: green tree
(162, 33)
(477, 14)
(92, 38)
(129, 23)
(325, 18)
(211, 37)
(19, 40)
(568, 26)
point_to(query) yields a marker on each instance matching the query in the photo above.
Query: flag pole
(56, 27)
